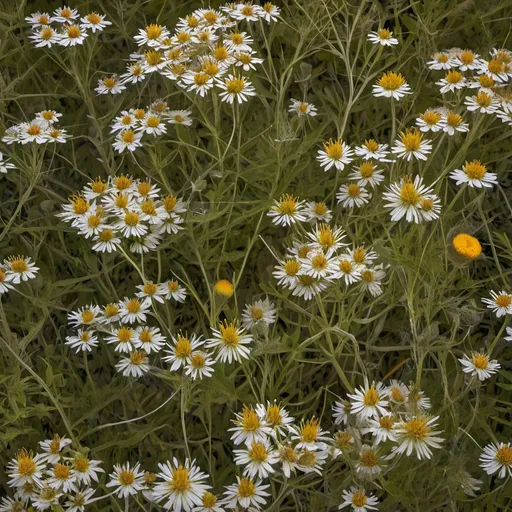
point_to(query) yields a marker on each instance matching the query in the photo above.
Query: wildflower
(341, 412)
(382, 429)
(372, 149)
(72, 35)
(352, 195)
(411, 144)
(47, 117)
(127, 139)
(468, 484)
(54, 448)
(342, 442)
(371, 280)
(346, 270)
(152, 124)
(9, 505)
(398, 392)
(86, 469)
(317, 212)
(287, 272)
(132, 310)
(405, 199)
(199, 82)
(308, 287)
(181, 350)
(497, 458)
(467, 246)
(416, 400)
(260, 312)
(83, 341)
(382, 37)
(466, 60)
(495, 69)
(61, 476)
(318, 265)
(258, 459)
(301, 108)
(106, 241)
(431, 120)
(134, 74)
(442, 60)
(309, 435)
(453, 81)
(288, 458)
(368, 463)
(180, 117)
(230, 340)
(369, 401)
(224, 287)
(38, 19)
(199, 364)
(238, 42)
(475, 174)
(269, 12)
(26, 468)
(249, 428)
(46, 498)
(19, 268)
(246, 493)
(357, 499)
(148, 339)
(209, 503)
(110, 85)
(430, 207)
(367, 174)
(32, 132)
(326, 238)
(416, 434)
(174, 291)
(275, 416)
(391, 85)
(94, 21)
(483, 103)
(484, 83)
(311, 461)
(287, 210)
(65, 14)
(86, 315)
(335, 153)
(79, 500)
(5, 286)
(235, 87)
(5, 165)
(362, 257)
(45, 36)
(151, 36)
(55, 135)
(123, 337)
(479, 365)
(453, 122)
(126, 479)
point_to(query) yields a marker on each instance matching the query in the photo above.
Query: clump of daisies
(131, 126)
(15, 270)
(42, 129)
(124, 212)
(64, 27)
(321, 257)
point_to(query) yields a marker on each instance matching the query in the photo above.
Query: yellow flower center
(343, 439)
(237, 38)
(94, 221)
(110, 82)
(325, 236)
(135, 70)
(292, 267)
(495, 66)
(73, 32)
(65, 13)
(467, 245)
(334, 149)
(475, 170)
(153, 31)
(98, 186)
(106, 235)
(504, 455)
(467, 57)
(307, 459)
(453, 119)
(503, 301)
(46, 33)
(371, 397)
(431, 117)
(43, 20)
(93, 18)
(320, 209)
(371, 145)
(245, 58)
(128, 136)
(183, 347)
(247, 10)
(54, 447)
(274, 415)
(246, 488)
(197, 360)
(408, 194)
(178, 118)
(153, 57)
(201, 79)
(319, 262)
(180, 479)
(61, 471)
(183, 37)
(287, 204)
(18, 264)
(391, 81)
(366, 170)
(359, 255)
(126, 477)
(417, 428)
(150, 288)
(256, 313)
(170, 203)
(172, 286)
(306, 280)
(353, 190)
(133, 306)
(221, 53)
(139, 113)
(258, 452)
(121, 200)
(267, 7)
(210, 17)
(411, 139)
(26, 464)
(442, 58)
(149, 478)
(486, 81)
(453, 77)
(209, 500)
(110, 309)
(148, 207)
(345, 266)
(124, 335)
(87, 316)
(359, 499)
(386, 422)
(367, 275)
(309, 431)
(235, 86)
(250, 421)
(210, 68)
(368, 458)
(132, 219)
(145, 335)
(81, 464)
(287, 453)
(384, 33)
(34, 129)
(85, 337)
(483, 99)
(229, 333)
(481, 361)
(192, 21)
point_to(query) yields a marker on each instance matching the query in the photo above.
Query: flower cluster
(64, 27)
(131, 125)
(124, 209)
(41, 129)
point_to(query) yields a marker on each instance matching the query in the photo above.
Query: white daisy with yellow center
(383, 36)
(127, 480)
(352, 195)
(230, 341)
(369, 401)
(475, 174)
(497, 458)
(479, 365)
(336, 153)
(416, 434)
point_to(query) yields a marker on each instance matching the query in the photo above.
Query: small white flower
(453, 81)
(65, 14)
(200, 364)
(231, 341)
(497, 458)
(72, 35)
(181, 350)
(180, 117)
(249, 427)
(475, 174)
(235, 87)
(382, 37)
(483, 103)
(250, 495)
(110, 85)
(84, 340)
(19, 268)
(352, 195)
(287, 211)
(259, 312)
(199, 82)
(441, 61)
(173, 290)
(133, 310)
(127, 139)
(453, 122)
(371, 280)
(301, 108)
(54, 448)
(382, 429)
(430, 121)
(416, 434)
(127, 480)
(45, 36)
(258, 459)
(412, 145)
(370, 401)
(500, 303)
(152, 124)
(367, 174)
(373, 150)
(391, 85)
(94, 21)
(358, 500)
(149, 339)
(479, 365)
(335, 153)
(317, 212)
(309, 435)
(134, 366)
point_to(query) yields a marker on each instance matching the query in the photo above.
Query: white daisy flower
(249, 427)
(500, 303)
(259, 312)
(199, 82)
(341, 412)
(416, 434)
(442, 60)
(287, 211)
(352, 195)
(238, 42)
(134, 366)
(405, 199)
(287, 272)
(235, 87)
(133, 310)
(246, 493)
(384, 37)
(343, 441)
(230, 340)
(317, 212)
(130, 224)
(258, 459)
(497, 458)
(86, 470)
(45, 36)
(54, 448)
(391, 85)
(362, 257)
(326, 238)
(110, 85)
(127, 139)
(416, 400)
(452, 81)
(181, 350)
(149, 339)
(495, 69)
(430, 121)
(301, 108)
(36, 131)
(468, 484)
(65, 14)
(86, 315)
(479, 365)
(94, 22)
(78, 501)
(475, 174)
(309, 435)
(5, 286)
(126, 479)
(84, 340)
(152, 124)
(134, 73)
(382, 429)
(371, 280)
(368, 465)
(358, 500)
(370, 401)
(173, 290)
(47, 497)
(247, 61)
(483, 83)
(270, 12)
(453, 122)
(123, 122)
(276, 417)
(199, 364)
(483, 103)
(335, 153)
(106, 241)
(209, 503)
(412, 145)
(467, 60)
(9, 505)
(38, 19)
(367, 174)
(123, 337)
(308, 287)
(180, 117)
(312, 461)
(19, 268)
(347, 270)
(55, 135)
(318, 265)
(373, 150)
(288, 459)
(72, 35)
(26, 468)
(151, 36)
(61, 477)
